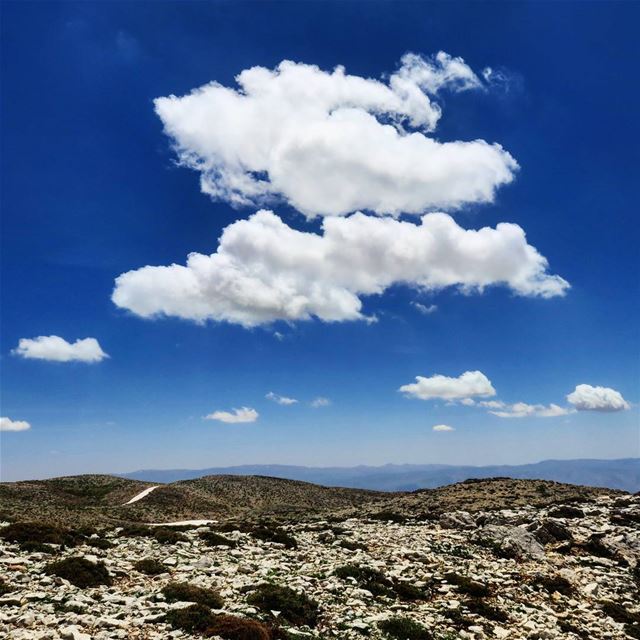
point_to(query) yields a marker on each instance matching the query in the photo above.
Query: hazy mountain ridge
(621, 474)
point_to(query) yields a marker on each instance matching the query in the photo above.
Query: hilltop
(100, 499)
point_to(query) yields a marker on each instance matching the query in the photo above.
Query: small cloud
(524, 410)
(588, 398)
(470, 383)
(502, 81)
(236, 416)
(7, 424)
(57, 349)
(424, 309)
(468, 402)
(280, 399)
(492, 404)
(319, 402)
(442, 427)
(278, 336)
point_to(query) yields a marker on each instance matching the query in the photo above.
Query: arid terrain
(279, 559)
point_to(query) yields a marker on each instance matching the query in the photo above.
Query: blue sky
(91, 190)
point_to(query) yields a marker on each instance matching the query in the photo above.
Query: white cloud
(470, 383)
(424, 309)
(57, 349)
(319, 402)
(588, 398)
(468, 402)
(442, 427)
(264, 270)
(7, 424)
(492, 404)
(244, 414)
(280, 399)
(332, 143)
(524, 410)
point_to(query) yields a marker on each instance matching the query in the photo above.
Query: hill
(102, 499)
(95, 499)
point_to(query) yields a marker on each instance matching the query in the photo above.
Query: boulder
(510, 542)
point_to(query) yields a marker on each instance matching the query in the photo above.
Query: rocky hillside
(68, 499)
(101, 499)
(490, 559)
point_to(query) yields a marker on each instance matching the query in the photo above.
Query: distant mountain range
(615, 474)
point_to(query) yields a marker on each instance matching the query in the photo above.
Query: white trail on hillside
(141, 495)
(194, 523)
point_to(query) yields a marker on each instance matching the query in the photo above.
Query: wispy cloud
(235, 416)
(442, 427)
(525, 410)
(274, 397)
(319, 402)
(424, 309)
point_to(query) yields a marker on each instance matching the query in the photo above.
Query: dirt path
(142, 494)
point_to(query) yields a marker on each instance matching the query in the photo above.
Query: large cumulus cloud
(264, 270)
(586, 397)
(333, 143)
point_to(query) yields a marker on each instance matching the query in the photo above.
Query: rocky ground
(565, 570)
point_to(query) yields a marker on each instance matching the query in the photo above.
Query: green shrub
(99, 543)
(80, 572)
(37, 547)
(136, 531)
(294, 607)
(468, 585)
(4, 587)
(236, 628)
(353, 546)
(408, 591)
(635, 574)
(619, 613)
(184, 592)
(367, 578)
(553, 584)
(196, 618)
(458, 620)
(569, 627)
(22, 532)
(630, 619)
(402, 628)
(274, 534)
(214, 539)
(164, 535)
(228, 527)
(150, 567)
(486, 610)
(388, 516)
